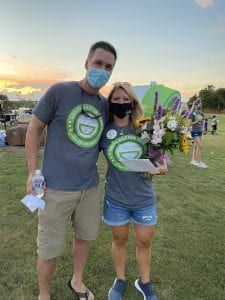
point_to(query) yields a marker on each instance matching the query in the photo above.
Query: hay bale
(16, 136)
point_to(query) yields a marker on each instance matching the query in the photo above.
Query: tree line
(211, 98)
(7, 105)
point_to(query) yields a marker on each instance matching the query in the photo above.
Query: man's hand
(30, 189)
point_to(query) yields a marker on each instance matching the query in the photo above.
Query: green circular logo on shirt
(82, 130)
(125, 146)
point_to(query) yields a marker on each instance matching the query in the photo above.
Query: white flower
(172, 124)
(157, 133)
(184, 129)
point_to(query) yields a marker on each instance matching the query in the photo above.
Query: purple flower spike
(154, 153)
(159, 112)
(156, 102)
(176, 104)
(184, 113)
(164, 158)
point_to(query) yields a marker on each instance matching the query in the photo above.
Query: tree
(9, 105)
(208, 97)
(193, 98)
(3, 97)
(220, 94)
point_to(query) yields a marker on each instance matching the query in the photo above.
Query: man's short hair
(103, 45)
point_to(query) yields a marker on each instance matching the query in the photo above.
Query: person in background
(74, 113)
(129, 197)
(196, 122)
(214, 123)
(205, 126)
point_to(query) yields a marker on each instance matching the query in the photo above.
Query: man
(214, 123)
(74, 114)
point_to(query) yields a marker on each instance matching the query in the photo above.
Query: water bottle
(37, 181)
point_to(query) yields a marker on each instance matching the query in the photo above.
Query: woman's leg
(119, 249)
(197, 142)
(143, 236)
(194, 152)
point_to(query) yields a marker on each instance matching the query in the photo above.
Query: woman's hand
(162, 168)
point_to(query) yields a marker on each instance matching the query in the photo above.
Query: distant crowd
(214, 123)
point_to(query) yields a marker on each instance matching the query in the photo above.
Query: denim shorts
(117, 215)
(196, 134)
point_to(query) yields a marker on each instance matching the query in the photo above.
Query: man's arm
(33, 137)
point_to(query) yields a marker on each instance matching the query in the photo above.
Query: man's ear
(86, 64)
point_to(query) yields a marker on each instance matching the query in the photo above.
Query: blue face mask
(97, 78)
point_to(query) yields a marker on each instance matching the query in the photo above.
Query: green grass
(188, 246)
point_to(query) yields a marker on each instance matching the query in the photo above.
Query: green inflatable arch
(166, 97)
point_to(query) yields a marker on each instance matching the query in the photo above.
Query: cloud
(23, 80)
(205, 3)
(14, 70)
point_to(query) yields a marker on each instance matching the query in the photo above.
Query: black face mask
(120, 110)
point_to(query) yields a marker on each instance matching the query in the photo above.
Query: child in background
(205, 126)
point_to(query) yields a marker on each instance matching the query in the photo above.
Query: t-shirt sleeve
(46, 106)
(102, 141)
(105, 109)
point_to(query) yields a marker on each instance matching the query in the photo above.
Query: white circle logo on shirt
(82, 130)
(111, 134)
(124, 147)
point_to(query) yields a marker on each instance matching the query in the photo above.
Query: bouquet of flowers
(164, 131)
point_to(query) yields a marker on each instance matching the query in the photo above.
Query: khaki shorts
(82, 207)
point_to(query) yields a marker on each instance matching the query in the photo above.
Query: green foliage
(9, 105)
(193, 98)
(211, 98)
(220, 94)
(3, 97)
(169, 138)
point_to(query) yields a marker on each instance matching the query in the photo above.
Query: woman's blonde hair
(137, 110)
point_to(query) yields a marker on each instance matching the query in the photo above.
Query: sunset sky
(179, 43)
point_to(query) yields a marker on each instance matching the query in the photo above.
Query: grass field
(188, 246)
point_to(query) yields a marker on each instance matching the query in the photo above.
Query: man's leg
(86, 219)
(51, 240)
(45, 269)
(80, 252)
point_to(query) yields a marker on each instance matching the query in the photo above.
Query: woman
(128, 195)
(196, 118)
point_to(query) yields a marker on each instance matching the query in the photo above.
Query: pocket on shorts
(42, 237)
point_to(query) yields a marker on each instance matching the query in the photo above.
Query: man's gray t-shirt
(194, 116)
(122, 187)
(72, 142)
